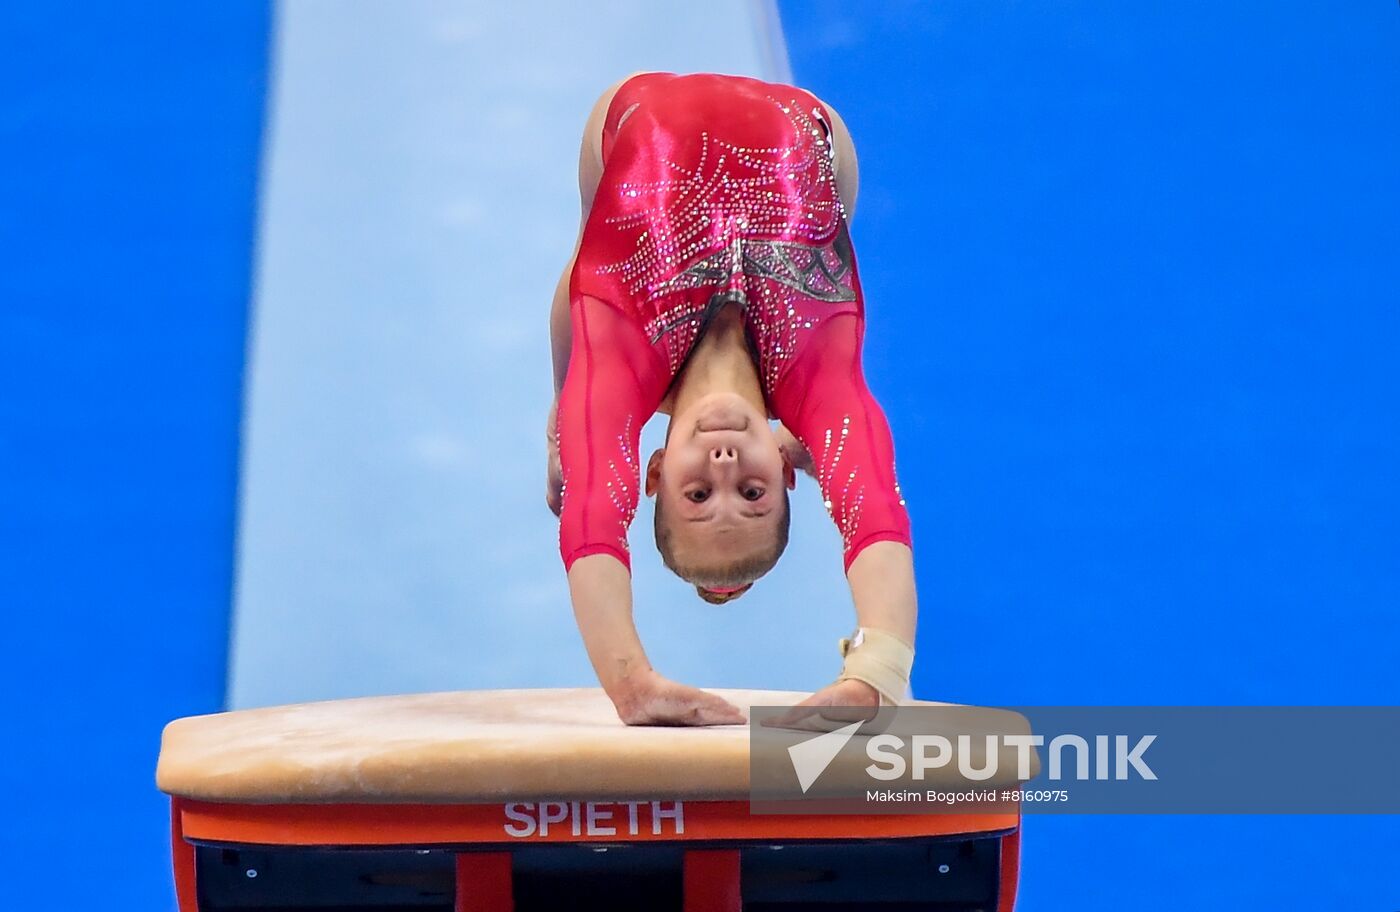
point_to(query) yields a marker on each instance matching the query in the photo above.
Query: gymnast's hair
(738, 574)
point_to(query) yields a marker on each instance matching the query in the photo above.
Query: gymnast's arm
(590, 172)
(614, 383)
(601, 590)
(881, 576)
(837, 432)
(882, 587)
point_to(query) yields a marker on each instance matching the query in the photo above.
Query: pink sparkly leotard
(718, 189)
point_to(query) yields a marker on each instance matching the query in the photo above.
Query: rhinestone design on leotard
(778, 312)
(842, 493)
(623, 479)
(740, 216)
(820, 273)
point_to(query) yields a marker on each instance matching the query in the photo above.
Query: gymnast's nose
(723, 455)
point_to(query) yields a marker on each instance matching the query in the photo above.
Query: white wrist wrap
(879, 659)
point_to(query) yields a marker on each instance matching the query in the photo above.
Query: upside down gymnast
(714, 281)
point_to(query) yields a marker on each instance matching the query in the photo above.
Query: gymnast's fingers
(713, 710)
(670, 703)
(692, 706)
(831, 708)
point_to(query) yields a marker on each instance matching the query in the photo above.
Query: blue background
(1132, 271)
(129, 145)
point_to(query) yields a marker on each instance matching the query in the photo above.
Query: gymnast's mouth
(706, 426)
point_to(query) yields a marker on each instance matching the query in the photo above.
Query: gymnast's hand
(554, 483)
(832, 707)
(651, 699)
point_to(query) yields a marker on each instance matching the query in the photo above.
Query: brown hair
(738, 573)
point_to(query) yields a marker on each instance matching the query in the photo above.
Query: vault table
(534, 799)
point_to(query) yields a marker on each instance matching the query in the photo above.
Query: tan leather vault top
(468, 746)
(460, 747)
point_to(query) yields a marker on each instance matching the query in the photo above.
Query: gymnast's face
(720, 484)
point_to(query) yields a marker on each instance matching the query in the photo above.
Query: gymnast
(714, 281)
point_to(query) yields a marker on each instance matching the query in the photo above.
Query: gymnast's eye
(699, 495)
(751, 492)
